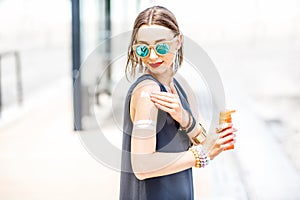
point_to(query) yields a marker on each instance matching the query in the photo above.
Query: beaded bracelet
(202, 159)
(197, 159)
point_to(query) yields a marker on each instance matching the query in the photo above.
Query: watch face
(196, 140)
(201, 137)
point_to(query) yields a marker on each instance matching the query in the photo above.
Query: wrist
(200, 135)
(190, 127)
(186, 120)
(196, 157)
(192, 158)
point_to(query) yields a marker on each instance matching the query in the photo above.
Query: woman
(162, 139)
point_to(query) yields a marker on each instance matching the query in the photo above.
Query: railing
(19, 88)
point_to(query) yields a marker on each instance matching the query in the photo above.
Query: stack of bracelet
(202, 159)
(190, 126)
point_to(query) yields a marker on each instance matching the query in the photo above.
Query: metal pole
(19, 78)
(76, 65)
(107, 37)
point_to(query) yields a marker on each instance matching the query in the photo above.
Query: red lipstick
(155, 65)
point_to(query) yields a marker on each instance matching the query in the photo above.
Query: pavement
(43, 158)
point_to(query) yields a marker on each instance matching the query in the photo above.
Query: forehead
(152, 33)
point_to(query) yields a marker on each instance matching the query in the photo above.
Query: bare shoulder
(145, 88)
(141, 105)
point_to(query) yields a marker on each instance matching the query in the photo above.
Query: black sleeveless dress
(178, 186)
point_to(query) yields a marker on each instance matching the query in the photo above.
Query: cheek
(144, 60)
(168, 59)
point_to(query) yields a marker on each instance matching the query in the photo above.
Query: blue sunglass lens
(162, 48)
(142, 50)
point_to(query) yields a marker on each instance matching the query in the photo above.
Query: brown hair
(156, 15)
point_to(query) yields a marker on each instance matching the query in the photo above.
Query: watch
(201, 136)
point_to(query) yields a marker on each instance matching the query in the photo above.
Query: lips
(155, 65)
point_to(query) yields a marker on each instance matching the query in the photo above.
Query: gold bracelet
(198, 139)
(197, 158)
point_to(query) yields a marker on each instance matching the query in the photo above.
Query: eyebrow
(156, 41)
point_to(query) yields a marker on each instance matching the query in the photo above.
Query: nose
(153, 54)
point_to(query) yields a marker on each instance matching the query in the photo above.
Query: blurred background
(47, 100)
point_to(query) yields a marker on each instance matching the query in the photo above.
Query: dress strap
(149, 77)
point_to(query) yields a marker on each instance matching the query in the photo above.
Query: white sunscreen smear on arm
(144, 129)
(145, 94)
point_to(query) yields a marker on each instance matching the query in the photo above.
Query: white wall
(234, 21)
(27, 24)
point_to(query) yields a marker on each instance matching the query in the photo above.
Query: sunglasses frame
(153, 46)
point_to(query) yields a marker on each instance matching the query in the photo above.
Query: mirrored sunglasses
(161, 48)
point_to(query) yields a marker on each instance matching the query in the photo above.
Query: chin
(159, 70)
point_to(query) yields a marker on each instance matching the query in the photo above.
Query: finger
(227, 132)
(230, 131)
(166, 94)
(164, 98)
(223, 127)
(226, 139)
(228, 145)
(164, 103)
(173, 89)
(163, 108)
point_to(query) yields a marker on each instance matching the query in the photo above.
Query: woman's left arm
(170, 103)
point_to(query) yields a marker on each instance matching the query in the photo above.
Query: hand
(170, 103)
(226, 138)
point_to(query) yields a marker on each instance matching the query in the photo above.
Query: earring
(141, 67)
(176, 63)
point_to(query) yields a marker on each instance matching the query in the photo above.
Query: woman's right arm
(146, 162)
